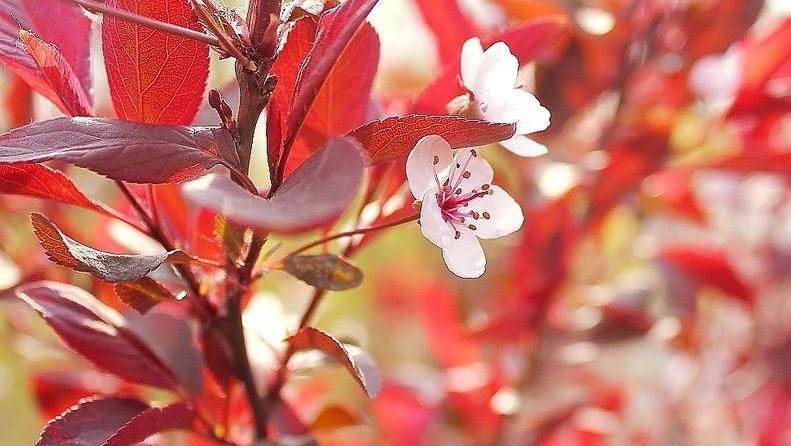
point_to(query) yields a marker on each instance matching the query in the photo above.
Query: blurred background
(646, 301)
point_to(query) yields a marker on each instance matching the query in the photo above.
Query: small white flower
(458, 203)
(491, 78)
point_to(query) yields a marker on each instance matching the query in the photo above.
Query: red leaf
(67, 93)
(287, 68)
(155, 77)
(360, 366)
(18, 101)
(126, 151)
(336, 28)
(143, 294)
(779, 163)
(314, 195)
(39, 181)
(450, 26)
(91, 422)
(179, 416)
(394, 137)
(542, 40)
(57, 390)
(97, 332)
(60, 23)
(709, 267)
(342, 103)
(763, 59)
(106, 266)
(402, 415)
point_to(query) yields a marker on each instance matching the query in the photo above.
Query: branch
(101, 8)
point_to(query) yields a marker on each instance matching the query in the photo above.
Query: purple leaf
(97, 332)
(315, 194)
(179, 416)
(106, 266)
(90, 422)
(358, 363)
(121, 150)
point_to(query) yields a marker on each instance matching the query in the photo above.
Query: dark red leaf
(262, 18)
(121, 150)
(155, 77)
(39, 181)
(360, 366)
(709, 267)
(314, 195)
(342, 103)
(65, 86)
(97, 332)
(106, 266)
(179, 416)
(142, 294)
(336, 28)
(91, 422)
(59, 23)
(168, 330)
(394, 137)
(778, 163)
(451, 27)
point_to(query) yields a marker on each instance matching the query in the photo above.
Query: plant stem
(351, 233)
(101, 8)
(202, 306)
(254, 93)
(235, 334)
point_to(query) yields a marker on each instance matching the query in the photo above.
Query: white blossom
(491, 79)
(458, 203)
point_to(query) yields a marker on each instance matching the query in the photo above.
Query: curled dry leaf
(97, 332)
(325, 271)
(356, 362)
(142, 294)
(109, 267)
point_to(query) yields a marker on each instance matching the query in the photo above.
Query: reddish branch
(101, 8)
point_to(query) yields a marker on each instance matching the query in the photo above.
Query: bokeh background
(646, 302)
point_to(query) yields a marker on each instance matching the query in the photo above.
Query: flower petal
(471, 54)
(496, 76)
(432, 225)
(505, 214)
(523, 146)
(522, 108)
(420, 166)
(480, 170)
(464, 256)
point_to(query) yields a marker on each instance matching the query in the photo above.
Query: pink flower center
(454, 202)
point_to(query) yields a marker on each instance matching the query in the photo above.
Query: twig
(101, 8)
